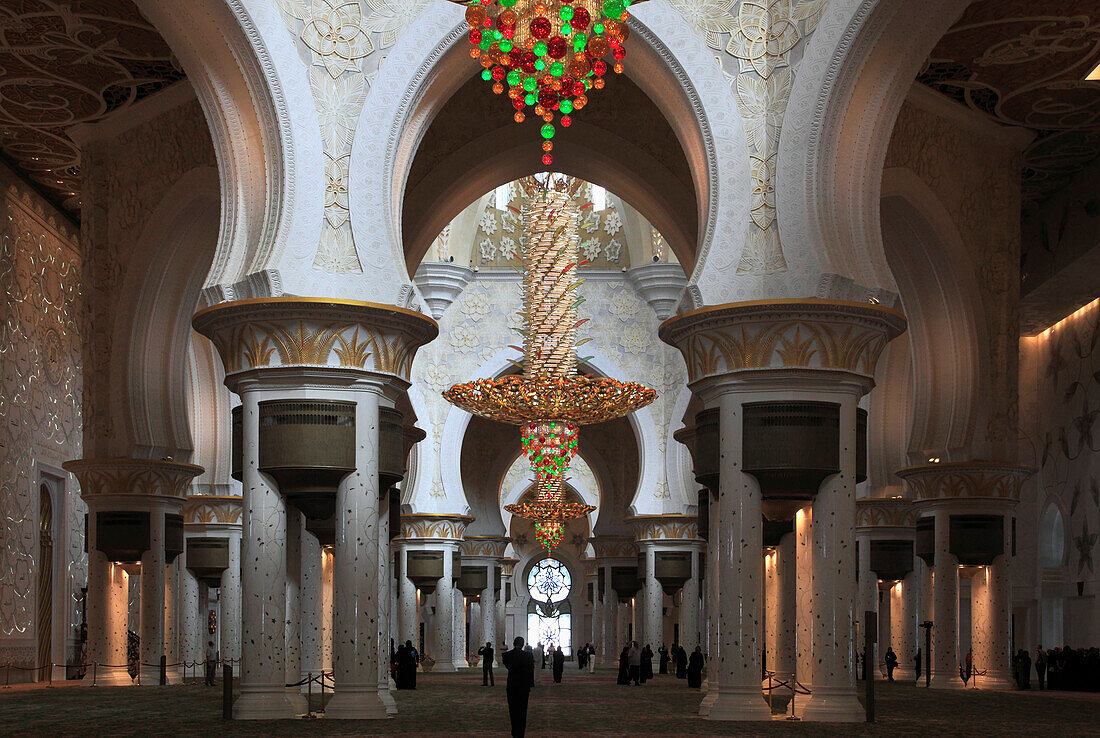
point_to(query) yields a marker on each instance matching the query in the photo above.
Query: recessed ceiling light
(1094, 75)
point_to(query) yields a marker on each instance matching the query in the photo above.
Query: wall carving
(608, 547)
(346, 43)
(488, 546)
(1022, 65)
(982, 199)
(668, 528)
(795, 334)
(63, 63)
(125, 179)
(1060, 404)
(41, 381)
(758, 44)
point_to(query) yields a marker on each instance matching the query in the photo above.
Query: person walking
(891, 660)
(662, 653)
(559, 664)
(486, 654)
(624, 666)
(211, 663)
(591, 661)
(1041, 667)
(681, 658)
(1025, 669)
(521, 668)
(539, 655)
(647, 663)
(634, 658)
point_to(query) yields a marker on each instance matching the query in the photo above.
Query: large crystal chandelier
(548, 54)
(549, 401)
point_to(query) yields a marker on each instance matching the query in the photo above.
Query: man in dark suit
(520, 665)
(486, 654)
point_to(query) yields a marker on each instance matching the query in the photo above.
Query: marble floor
(457, 705)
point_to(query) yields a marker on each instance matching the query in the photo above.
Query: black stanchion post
(163, 670)
(927, 625)
(227, 692)
(870, 631)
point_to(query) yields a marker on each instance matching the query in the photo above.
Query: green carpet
(457, 704)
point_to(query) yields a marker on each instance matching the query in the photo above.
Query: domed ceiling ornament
(548, 54)
(549, 401)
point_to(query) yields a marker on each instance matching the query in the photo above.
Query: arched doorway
(549, 617)
(44, 615)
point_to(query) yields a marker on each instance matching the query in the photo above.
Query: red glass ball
(527, 62)
(599, 68)
(619, 53)
(475, 37)
(540, 27)
(581, 19)
(547, 160)
(566, 121)
(556, 47)
(518, 103)
(548, 98)
(498, 73)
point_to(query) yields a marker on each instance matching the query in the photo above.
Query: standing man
(520, 665)
(1041, 666)
(891, 663)
(558, 659)
(634, 658)
(211, 663)
(486, 654)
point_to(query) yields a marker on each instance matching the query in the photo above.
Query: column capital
(487, 547)
(964, 483)
(109, 480)
(221, 511)
(657, 529)
(614, 547)
(280, 332)
(443, 527)
(810, 335)
(886, 516)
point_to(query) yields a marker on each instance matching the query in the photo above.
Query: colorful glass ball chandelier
(548, 54)
(549, 401)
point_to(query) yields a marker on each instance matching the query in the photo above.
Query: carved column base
(738, 703)
(834, 705)
(263, 702)
(352, 702)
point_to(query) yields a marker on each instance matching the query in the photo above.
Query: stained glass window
(548, 581)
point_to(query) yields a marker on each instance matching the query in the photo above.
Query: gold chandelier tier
(519, 400)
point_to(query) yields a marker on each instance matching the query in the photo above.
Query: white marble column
(106, 616)
(357, 577)
(502, 607)
(458, 629)
(295, 529)
(786, 605)
(263, 582)
(903, 626)
(834, 582)
(445, 617)
(651, 602)
(595, 633)
(327, 586)
(690, 605)
(231, 597)
(409, 623)
(712, 605)
(173, 626)
(489, 612)
(473, 618)
(740, 577)
(770, 620)
(945, 606)
(385, 623)
(804, 605)
(311, 597)
(990, 625)
(190, 616)
(868, 599)
(609, 641)
(152, 602)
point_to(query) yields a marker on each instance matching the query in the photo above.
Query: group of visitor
(403, 663)
(636, 664)
(585, 658)
(1066, 668)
